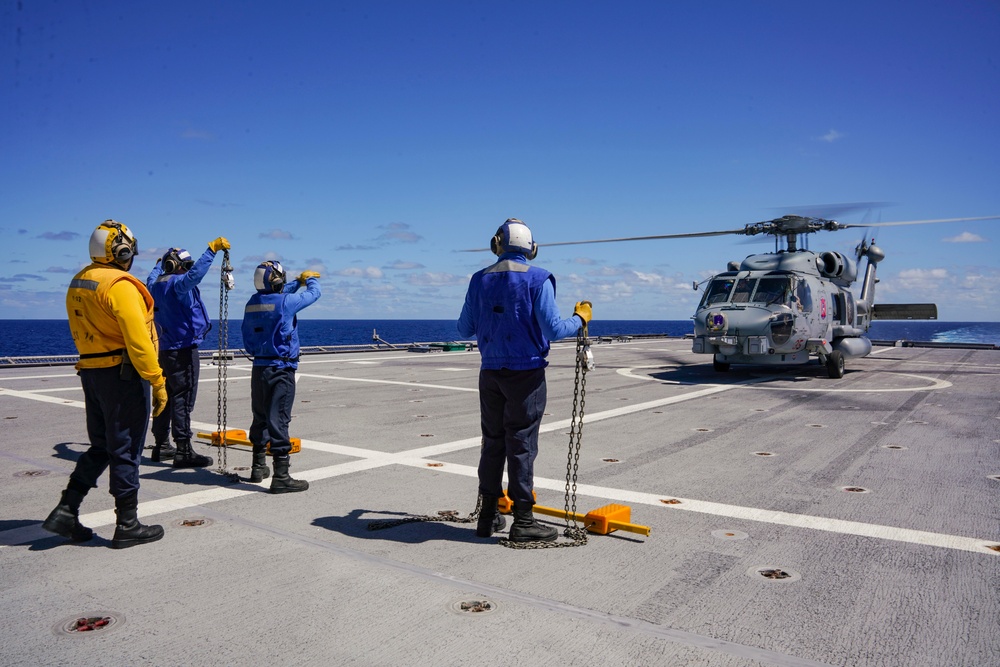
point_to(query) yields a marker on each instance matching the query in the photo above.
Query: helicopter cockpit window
(772, 290)
(743, 290)
(802, 298)
(717, 292)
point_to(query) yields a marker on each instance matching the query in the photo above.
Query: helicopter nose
(750, 321)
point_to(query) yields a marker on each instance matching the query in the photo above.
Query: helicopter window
(744, 288)
(772, 290)
(717, 292)
(802, 299)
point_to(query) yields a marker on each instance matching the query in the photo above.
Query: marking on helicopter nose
(933, 383)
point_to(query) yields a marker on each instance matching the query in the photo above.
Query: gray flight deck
(872, 502)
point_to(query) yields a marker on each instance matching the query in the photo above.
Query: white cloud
(400, 265)
(276, 234)
(832, 136)
(910, 279)
(397, 232)
(368, 272)
(965, 237)
(432, 279)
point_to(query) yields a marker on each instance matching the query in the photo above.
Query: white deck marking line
(40, 397)
(39, 377)
(843, 527)
(394, 382)
(418, 458)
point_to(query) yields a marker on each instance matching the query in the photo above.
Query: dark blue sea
(51, 337)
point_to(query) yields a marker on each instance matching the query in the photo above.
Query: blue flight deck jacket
(510, 308)
(178, 310)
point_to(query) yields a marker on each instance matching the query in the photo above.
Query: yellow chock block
(233, 435)
(600, 520)
(506, 505)
(239, 437)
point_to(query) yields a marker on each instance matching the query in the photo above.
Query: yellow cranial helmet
(113, 243)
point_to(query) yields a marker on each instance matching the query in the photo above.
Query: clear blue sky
(371, 140)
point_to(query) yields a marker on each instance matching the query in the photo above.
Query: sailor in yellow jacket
(111, 319)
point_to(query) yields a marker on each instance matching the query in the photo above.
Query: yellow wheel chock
(601, 521)
(238, 437)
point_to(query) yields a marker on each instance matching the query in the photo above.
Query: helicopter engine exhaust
(835, 266)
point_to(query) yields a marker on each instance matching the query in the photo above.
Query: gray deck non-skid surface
(900, 573)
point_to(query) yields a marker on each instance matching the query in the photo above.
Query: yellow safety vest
(96, 331)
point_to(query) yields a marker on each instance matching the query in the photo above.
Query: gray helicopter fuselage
(782, 309)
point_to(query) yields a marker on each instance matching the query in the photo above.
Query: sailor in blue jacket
(510, 308)
(271, 335)
(182, 321)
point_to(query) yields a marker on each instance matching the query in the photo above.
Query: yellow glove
(583, 310)
(306, 275)
(218, 244)
(159, 398)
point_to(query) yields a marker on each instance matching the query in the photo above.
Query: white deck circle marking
(934, 383)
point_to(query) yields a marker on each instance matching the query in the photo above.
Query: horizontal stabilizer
(904, 311)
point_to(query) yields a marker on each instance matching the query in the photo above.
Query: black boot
(490, 519)
(282, 482)
(527, 529)
(163, 451)
(187, 458)
(259, 470)
(129, 532)
(65, 518)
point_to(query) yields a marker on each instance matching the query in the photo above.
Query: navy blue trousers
(511, 404)
(181, 368)
(272, 392)
(117, 417)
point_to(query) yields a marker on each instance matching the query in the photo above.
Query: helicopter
(789, 306)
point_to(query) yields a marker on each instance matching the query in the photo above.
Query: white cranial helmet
(269, 277)
(514, 236)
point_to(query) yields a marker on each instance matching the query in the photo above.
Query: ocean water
(51, 337)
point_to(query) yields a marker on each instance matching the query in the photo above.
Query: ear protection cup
(269, 277)
(496, 243)
(534, 251)
(171, 262)
(277, 279)
(175, 260)
(123, 245)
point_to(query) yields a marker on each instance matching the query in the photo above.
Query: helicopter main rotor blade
(647, 238)
(629, 238)
(916, 222)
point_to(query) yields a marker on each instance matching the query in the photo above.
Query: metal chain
(449, 516)
(226, 284)
(577, 534)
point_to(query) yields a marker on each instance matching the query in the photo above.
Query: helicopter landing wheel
(835, 364)
(719, 366)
